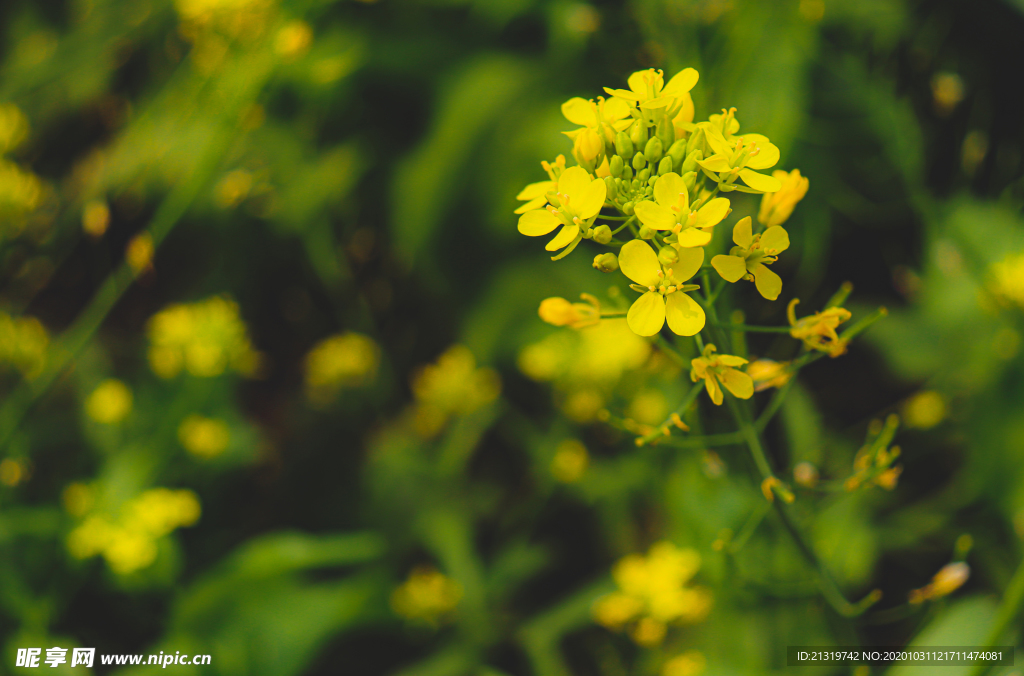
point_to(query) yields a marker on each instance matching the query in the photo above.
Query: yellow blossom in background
(595, 354)
(560, 312)
(233, 188)
(751, 256)
(819, 330)
(128, 543)
(570, 461)
(451, 386)
(110, 402)
(23, 344)
(664, 290)
(946, 581)
(648, 407)
(427, 595)
(78, 499)
(13, 127)
(345, 360)
(293, 39)
(95, 218)
(653, 593)
(924, 410)
(1007, 278)
(21, 192)
(204, 437)
(767, 374)
(690, 663)
(139, 253)
(776, 207)
(13, 471)
(205, 338)
(719, 370)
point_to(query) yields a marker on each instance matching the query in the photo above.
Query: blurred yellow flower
(23, 344)
(233, 188)
(951, 577)
(570, 461)
(451, 386)
(1008, 278)
(776, 207)
(13, 127)
(690, 663)
(720, 370)
(293, 39)
(595, 354)
(560, 312)
(95, 218)
(110, 402)
(344, 360)
(664, 290)
(205, 338)
(13, 471)
(78, 499)
(21, 191)
(139, 253)
(751, 256)
(427, 595)
(819, 331)
(767, 374)
(653, 592)
(204, 437)
(924, 410)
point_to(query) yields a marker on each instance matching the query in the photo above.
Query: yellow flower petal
(538, 222)
(714, 391)
(774, 240)
(622, 94)
(760, 182)
(767, 282)
(686, 113)
(684, 316)
(670, 191)
(535, 203)
(731, 360)
(692, 237)
(591, 200)
(615, 109)
(688, 264)
(655, 215)
(564, 238)
(743, 232)
(716, 163)
(647, 314)
(732, 268)
(573, 182)
(768, 152)
(660, 102)
(739, 383)
(712, 213)
(638, 261)
(638, 81)
(579, 111)
(716, 140)
(535, 190)
(681, 82)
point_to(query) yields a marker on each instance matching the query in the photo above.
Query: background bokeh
(235, 233)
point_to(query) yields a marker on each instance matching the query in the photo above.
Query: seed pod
(606, 262)
(654, 150)
(602, 234)
(623, 146)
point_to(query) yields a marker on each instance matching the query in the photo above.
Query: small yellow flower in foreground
(451, 386)
(819, 330)
(570, 461)
(110, 402)
(426, 595)
(204, 437)
(652, 593)
(738, 157)
(719, 370)
(577, 201)
(663, 288)
(560, 312)
(776, 207)
(924, 410)
(344, 360)
(535, 194)
(690, 663)
(767, 373)
(751, 256)
(1008, 278)
(946, 581)
(671, 211)
(206, 338)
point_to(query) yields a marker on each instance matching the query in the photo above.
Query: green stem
(680, 410)
(754, 329)
(1009, 609)
(668, 349)
(703, 441)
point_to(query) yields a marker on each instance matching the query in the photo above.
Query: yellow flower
(560, 312)
(776, 207)
(204, 437)
(345, 360)
(575, 205)
(599, 121)
(13, 126)
(664, 290)
(1008, 278)
(738, 157)
(873, 464)
(23, 344)
(924, 410)
(767, 373)
(570, 461)
(535, 194)
(751, 256)
(719, 370)
(452, 386)
(206, 338)
(426, 595)
(819, 331)
(946, 581)
(653, 592)
(690, 663)
(648, 90)
(110, 402)
(672, 211)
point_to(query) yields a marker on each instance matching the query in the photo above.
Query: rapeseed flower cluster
(205, 338)
(453, 385)
(23, 344)
(204, 437)
(426, 596)
(129, 541)
(110, 402)
(345, 360)
(874, 463)
(21, 191)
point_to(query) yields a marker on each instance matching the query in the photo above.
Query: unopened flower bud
(627, 208)
(615, 166)
(664, 166)
(690, 181)
(623, 146)
(666, 131)
(638, 133)
(612, 190)
(654, 150)
(690, 163)
(696, 141)
(677, 151)
(627, 173)
(647, 232)
(552, 198)
(606, 262)
(639, 161)
(602, 234)
(668, 256)
(644, 174)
